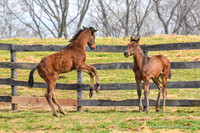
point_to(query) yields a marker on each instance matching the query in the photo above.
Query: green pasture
(102, 119)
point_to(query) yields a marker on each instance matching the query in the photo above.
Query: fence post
(13, 58)
(79, 91)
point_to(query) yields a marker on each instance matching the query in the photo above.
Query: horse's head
(132, 47)
(91, 42)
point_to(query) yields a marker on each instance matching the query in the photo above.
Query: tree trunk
(83, 12)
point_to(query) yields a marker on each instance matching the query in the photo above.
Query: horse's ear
(138, 40)
(84, 28)
(131, 39)
(94, 30)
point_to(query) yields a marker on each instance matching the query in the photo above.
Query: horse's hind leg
(159, 85)
(164, 91)
(53, 82)
(146, 94)
(49, 96)
(59, 107)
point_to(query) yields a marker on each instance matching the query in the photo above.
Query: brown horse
(71, 57)
(146, 68)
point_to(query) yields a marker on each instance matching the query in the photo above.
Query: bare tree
(140, 17)
(83, 13)
(126, 27)
(165, 17)
(193, 18)
(9, 26)
(122, 16)
(116, 18)
(101, 18)
(181, 16)
(6, 20)
(49, 15)
(104, 18)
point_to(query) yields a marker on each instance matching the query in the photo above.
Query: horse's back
(163, 60)
(160, 64)
(59, 62)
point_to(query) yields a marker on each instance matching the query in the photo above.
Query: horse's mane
(76, 35)
(79, 32)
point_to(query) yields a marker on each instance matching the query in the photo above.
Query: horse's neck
(80, 43)
(139, 57)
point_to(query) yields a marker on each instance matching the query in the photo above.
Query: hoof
(91, 91)
(147, 110)
(56, 115)
(98, 87)
(157, 109)
(163, 112)
(144, 108)
(140, 109)
(90, 95)
(63, 113)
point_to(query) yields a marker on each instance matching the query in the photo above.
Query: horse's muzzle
(126, 54)
(92, 48)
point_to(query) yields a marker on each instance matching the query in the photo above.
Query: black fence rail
(102, 48)
(105, 66)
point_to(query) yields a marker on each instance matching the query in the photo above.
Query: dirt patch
(197, 58)
(143, 129)
(177, 118)
(30, 59)
(144, 118)
(172, 96)
(178, 55)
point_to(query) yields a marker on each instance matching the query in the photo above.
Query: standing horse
(146, 68)
(71, 57)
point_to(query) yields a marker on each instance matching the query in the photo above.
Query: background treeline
(115, 18)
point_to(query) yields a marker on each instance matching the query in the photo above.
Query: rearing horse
(146, 68)
(71, 57)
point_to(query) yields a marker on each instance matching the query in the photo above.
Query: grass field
(103, 119)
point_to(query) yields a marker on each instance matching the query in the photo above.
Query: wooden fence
(80, 87)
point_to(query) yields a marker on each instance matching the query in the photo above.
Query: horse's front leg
(91, 81)
(86, 68)
(98, 83)
(146, 94)
(91, 84)
(139, 88)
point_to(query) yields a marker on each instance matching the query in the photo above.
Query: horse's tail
(170, 74)
(31, 79)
